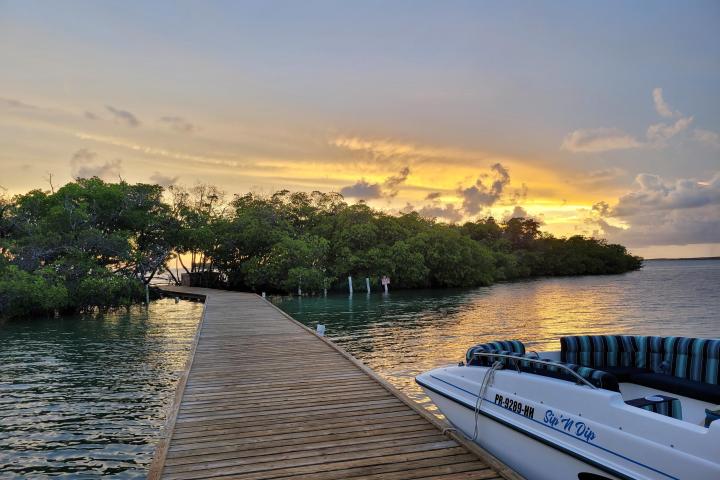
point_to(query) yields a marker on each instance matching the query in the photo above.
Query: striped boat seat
(488, 361)
(514, 346)
(680, 365)
(603, 351)
(597, 378)
(692, 358)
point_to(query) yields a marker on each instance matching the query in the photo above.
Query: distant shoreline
(688, 258)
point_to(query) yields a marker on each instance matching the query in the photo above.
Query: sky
(596, 118)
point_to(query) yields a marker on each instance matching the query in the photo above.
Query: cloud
(661, 107)
(175, 155)
(382, 150)
(592, 140)
(362, 190)
(661, 132)
(676, 227)
(433, 196)
(85, 164)
(163, 180)
(518, 212)
(11, 102)
(448, 212)
(707, 137)
(123, 116)
(392, 183)
(661, 212)
(595, 140)
(604, 174)
(178, 124)
(480, 195)
(654, 193)
(91, 116)
(601, 208)
(520, 194)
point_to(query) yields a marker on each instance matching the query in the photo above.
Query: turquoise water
(408, 332)
(83, 397)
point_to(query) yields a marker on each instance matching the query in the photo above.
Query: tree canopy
(93, 244)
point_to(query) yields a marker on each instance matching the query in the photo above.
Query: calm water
(409, 332)
(86, 397)
(83, 397)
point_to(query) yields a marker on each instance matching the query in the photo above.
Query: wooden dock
(263, 397)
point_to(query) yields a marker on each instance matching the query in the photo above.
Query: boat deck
(263, 397)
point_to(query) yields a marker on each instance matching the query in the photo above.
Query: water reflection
(83, 397)
(407, 332)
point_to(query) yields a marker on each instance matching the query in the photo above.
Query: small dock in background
(264, 397)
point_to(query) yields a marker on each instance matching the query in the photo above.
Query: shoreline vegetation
(93, 245)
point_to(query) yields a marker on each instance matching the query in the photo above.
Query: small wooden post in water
(367, 284)
(147, 295)
(350, 284)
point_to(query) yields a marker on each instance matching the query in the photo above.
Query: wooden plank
(263, 397)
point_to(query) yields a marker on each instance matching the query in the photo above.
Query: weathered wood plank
(262, 397)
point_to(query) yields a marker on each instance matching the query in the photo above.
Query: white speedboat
(602, 407)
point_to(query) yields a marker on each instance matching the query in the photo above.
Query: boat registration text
(515, 406)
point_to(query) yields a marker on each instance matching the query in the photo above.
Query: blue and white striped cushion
(515, 346)
(693, 358)
(600, 350)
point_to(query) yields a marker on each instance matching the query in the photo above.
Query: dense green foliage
(93, 244)
(88, 244)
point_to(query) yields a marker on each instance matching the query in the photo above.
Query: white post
(147, 295)
(299, 291)
(320, 329)
(385, 282)
(263, 294)
(350, 285)
(367, 284)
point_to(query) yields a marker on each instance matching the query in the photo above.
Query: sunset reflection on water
(408, 332)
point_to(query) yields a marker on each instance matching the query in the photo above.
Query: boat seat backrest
(488, 361)
(514, 346)
(693, 358)
(654, 352)
(595, 377)
(602, 351)
(690, 358)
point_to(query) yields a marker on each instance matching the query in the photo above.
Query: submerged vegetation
(92, 244)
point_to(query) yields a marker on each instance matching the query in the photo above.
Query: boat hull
(530, 458)
(547, 428)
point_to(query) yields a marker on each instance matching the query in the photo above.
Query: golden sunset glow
(442, 112)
